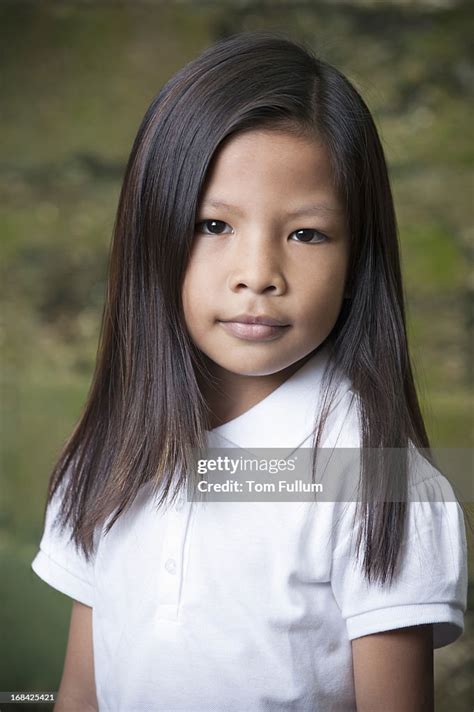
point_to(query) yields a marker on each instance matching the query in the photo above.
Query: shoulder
(59, 561)
(430, 584)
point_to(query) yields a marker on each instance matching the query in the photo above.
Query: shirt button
(170, 566)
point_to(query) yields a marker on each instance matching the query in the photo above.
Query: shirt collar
(283, 419)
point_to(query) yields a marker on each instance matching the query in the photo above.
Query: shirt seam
(68, 571)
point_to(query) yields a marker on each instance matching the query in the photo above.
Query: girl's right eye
(211, 227)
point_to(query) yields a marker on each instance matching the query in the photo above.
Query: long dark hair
(145, 411)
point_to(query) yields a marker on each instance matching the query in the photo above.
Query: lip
(261, 319)
(255, 328)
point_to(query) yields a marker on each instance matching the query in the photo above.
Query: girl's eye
(211, 227)
(307, 235)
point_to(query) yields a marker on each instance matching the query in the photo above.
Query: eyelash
(216, 234)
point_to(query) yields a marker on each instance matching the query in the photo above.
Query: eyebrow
(313, 209)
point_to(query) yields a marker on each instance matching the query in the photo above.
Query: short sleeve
(59, 563)
(431, 585)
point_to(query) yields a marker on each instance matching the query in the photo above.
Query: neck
(232, 394)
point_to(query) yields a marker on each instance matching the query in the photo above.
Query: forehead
(274, 165)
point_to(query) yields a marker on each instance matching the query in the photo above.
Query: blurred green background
(76, 80)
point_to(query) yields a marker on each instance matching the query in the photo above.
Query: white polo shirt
(252, 606)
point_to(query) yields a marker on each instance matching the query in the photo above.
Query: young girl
(254, 301)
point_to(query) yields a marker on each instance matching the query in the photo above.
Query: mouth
(263, 319)
(258, 328)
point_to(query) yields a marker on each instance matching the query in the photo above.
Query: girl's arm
(393, 670)
(77, 689)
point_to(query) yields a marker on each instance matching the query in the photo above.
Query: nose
(257, 269)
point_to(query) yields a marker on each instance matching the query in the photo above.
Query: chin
(255, 365)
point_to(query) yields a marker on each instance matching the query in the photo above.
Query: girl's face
(271, 240)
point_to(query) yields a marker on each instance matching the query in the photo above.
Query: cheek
(324, 281)
(187, 292)
(194, 293)
(322, 293)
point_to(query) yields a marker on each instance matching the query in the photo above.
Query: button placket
(171, 568)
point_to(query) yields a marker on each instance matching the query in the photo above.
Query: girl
(254, 301)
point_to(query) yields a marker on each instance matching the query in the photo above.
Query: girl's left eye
(307, 235)
(217, 227)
